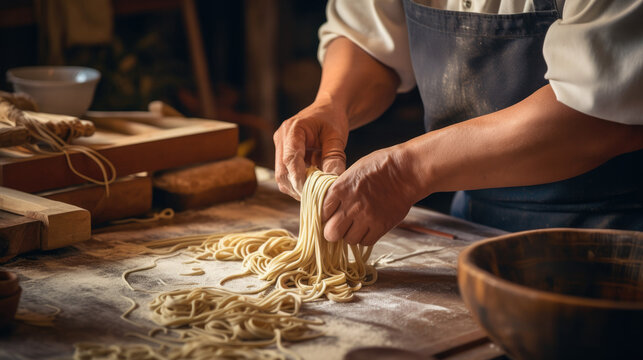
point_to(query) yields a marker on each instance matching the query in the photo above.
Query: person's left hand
(369, 198)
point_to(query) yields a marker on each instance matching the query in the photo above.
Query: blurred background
(251, 62)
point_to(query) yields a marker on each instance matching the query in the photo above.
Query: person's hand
(317, 136)
(370, 198)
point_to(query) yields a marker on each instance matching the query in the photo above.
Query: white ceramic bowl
(65, 90)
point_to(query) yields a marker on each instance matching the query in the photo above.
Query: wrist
(419, 173)
(330, 104)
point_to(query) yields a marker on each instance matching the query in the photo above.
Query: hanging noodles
(311, 266)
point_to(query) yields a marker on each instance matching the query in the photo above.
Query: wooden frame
(163, 149)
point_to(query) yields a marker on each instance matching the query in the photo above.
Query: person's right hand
(317, 136)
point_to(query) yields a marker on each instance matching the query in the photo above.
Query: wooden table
(414, 303)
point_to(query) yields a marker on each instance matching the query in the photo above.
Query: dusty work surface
(414, 302)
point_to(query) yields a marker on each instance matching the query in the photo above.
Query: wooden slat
(62, 224)
(474, 345)
(163, 149)
(18, 234)
(128, 197)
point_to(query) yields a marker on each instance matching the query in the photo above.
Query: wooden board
(473, 345)
(205, 184)
(128, 197)
(164, 149)
(62, 224)
(414, 302)
(18, 235)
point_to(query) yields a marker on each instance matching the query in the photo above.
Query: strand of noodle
(196, 271)
(38, 319)
(165, 214)
(389, 258)
(133, 306)
(146, 267)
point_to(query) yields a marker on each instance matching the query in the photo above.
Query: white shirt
(594, 54)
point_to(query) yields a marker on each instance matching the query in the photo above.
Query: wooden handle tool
(163, 110)
(138, 122)
(121, 125)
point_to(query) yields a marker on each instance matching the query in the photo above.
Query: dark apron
(469, 64)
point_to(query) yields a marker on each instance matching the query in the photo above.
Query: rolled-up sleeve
(594, 58)
(376, 26)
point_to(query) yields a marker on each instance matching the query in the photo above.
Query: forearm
(538, 140)
(355, 83)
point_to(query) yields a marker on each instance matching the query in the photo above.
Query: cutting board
(197, 141)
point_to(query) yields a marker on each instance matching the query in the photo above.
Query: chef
(533, 111)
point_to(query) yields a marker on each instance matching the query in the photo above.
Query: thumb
(333, 156)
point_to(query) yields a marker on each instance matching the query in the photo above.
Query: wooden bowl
(558, 293)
